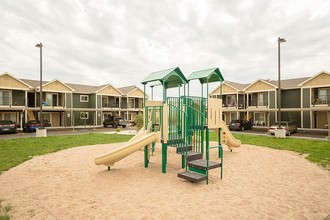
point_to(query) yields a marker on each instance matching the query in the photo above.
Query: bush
(139, 120)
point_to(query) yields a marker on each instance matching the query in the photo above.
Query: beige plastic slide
(231, 141)
(143, 138)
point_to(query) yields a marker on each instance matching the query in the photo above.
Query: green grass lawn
(16, 151)
(317, 151)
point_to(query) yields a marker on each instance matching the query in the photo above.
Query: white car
(288, 126)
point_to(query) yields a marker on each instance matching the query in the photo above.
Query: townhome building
(304, 101)
(66, 104)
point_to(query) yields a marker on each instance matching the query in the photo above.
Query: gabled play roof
(169, 78)
(207, 76)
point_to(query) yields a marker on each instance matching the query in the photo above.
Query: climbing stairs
(196, 166)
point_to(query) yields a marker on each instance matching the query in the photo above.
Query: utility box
(41, 132)
(280, 133)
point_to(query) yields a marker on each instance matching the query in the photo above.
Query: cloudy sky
(121, 42)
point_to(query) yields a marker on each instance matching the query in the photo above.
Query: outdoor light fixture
(41, 117)
(279, 40)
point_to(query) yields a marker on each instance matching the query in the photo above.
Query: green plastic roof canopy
(169, 78)
(207, 76)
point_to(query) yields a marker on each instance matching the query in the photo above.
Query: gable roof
(108, 85)
(235, 85)
(19, 80)
(207, 76)
(313, 77)
(55, 80)
(127, 90)
(169, 78)
(260, 80)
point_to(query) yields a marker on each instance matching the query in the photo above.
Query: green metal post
(164, 152)
(183, 161)
(207, 155)
(219, 142)
(108, 168)
(221, 153)
(146, 160)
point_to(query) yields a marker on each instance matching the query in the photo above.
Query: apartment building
(304, 101)
(66, 104)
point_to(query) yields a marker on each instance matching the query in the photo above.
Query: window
(262, 99)
(259, 119)
(233, 116)
(83, 98)
(51, 99)
(84, 115)
(105, 102)
(5, 97)
(231, 100)
(324, 96)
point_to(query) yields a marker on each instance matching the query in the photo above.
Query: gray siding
(68, 119)
(290, 98)
(99, 99)
(78, 121)
(306, 119)
(306, 98)
(272, 99)
(271, 118)
(92, 100)
(68, 100)
(78, 104)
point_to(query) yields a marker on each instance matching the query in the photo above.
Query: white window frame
(84, 98)
(10, 98)
(261, 96)
(81, 115)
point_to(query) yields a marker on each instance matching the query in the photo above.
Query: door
(321, 119)
(55, 119)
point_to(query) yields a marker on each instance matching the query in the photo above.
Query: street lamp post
(41, 116)
(279, 40)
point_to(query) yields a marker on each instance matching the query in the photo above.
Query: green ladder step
(201, 164)
(192, 177)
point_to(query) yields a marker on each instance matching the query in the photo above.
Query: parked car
(240, 125)
(7, 126)
(31, 125)
(288, 126)
(114, 121)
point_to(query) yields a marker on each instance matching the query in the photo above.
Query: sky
(121, 42)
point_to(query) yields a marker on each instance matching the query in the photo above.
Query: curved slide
(143, 138)
(231, 141)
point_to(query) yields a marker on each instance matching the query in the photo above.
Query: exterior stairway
(31, 115)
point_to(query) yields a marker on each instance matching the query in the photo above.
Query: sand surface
(258, 183)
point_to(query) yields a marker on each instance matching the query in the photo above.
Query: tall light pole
(279, 40)
(41, 117)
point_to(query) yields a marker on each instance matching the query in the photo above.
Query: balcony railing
(256, 104)
(110, 105)
(124, 105)
(52, 104)
(321, 100)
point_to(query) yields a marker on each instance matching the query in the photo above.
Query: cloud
(121, 42)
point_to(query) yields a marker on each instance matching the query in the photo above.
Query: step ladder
(197, 167)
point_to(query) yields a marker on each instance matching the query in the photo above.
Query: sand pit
(259, 183)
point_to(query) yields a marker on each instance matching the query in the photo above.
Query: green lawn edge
(16, 151)
(316, 151)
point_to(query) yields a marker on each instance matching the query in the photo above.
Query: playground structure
(182, 122)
